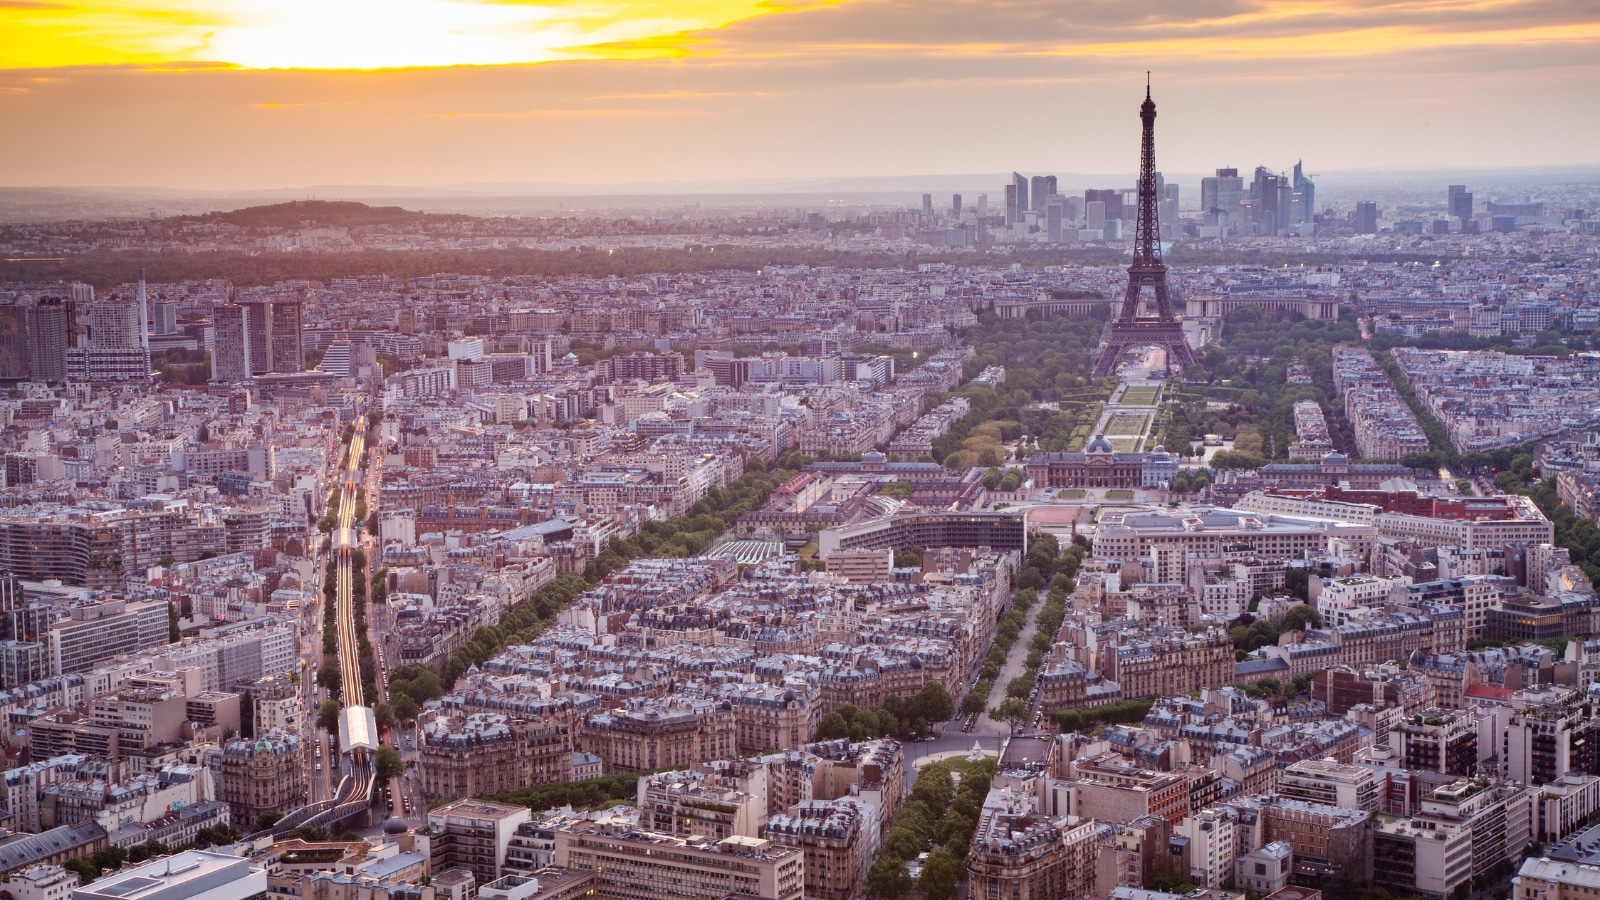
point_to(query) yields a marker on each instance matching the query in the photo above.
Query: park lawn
(1124, 444)
(1127, 424)
(1140, 396)
(1119, 494)
(1070, 494)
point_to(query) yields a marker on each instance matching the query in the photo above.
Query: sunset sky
(207, 94)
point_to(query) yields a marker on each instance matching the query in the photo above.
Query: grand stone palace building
(1100, 466)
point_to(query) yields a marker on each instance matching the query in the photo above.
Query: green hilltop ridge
(334, 213)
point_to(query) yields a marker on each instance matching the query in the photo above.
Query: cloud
(1183, 29)
(359, 34)
(567, 114)
(862, 87)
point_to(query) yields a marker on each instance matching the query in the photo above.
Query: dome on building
(1099, 445)
(395, 826)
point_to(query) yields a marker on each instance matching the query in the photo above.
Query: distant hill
(328, 213)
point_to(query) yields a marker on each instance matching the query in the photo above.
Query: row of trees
(1043, 555)
(589, 793)
(521, 624)
(678, 537)
(898, 715)
(715, 513)
(1580, 536)
(1086, 719)
(110, 859)
(937, 818)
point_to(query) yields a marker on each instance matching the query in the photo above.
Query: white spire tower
(144, 315)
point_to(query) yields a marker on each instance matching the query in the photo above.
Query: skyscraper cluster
(258, 336)
(1272, 204)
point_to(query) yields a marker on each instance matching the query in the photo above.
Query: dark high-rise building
(1267, 197)
(1020, 182)
(1111, 197)
(1052, 219)
(13, 343)
(927, 206)
(258, 331)
(1366, 219)
(1222, 193)
(287, 337)
(1460, 202)
(49, 335)
(230, 354)
(955, 205)
(1012, 215)
(1043, 187)
(1303, 202)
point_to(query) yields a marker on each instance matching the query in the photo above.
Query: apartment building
(483, 753)
(473, 835)
(632, 864)
(661, 736)
(709, 802)
(838, 838)
(1331, 784)
(1018, 852)
(267, 774)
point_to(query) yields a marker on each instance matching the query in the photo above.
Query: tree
(1297, 582)
(1011, 710)
(404, 709)
(267, 820)
(934, 788)
(138, 853)
(383, 716)
(247, 715)
(110, 858)
(87, 871)
(174, 634)
(974, 700)
(388, 764)
(203, 436)
(1300, 616)
(328, 715)
(888, 879)
(1019, 687)
(832, 727)
(934, 703)
(328, 677)
(941, 876)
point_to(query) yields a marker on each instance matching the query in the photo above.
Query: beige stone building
(264, 775)
(487, 753)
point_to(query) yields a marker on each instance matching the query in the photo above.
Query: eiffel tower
(1129, 329)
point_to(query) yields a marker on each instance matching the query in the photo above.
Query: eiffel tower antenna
(1129, 330)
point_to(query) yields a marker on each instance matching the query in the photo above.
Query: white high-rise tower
(144, 315)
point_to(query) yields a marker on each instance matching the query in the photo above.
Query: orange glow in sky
(271, 93)
(347, 34)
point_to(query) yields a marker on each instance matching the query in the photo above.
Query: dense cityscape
(1119, 543)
